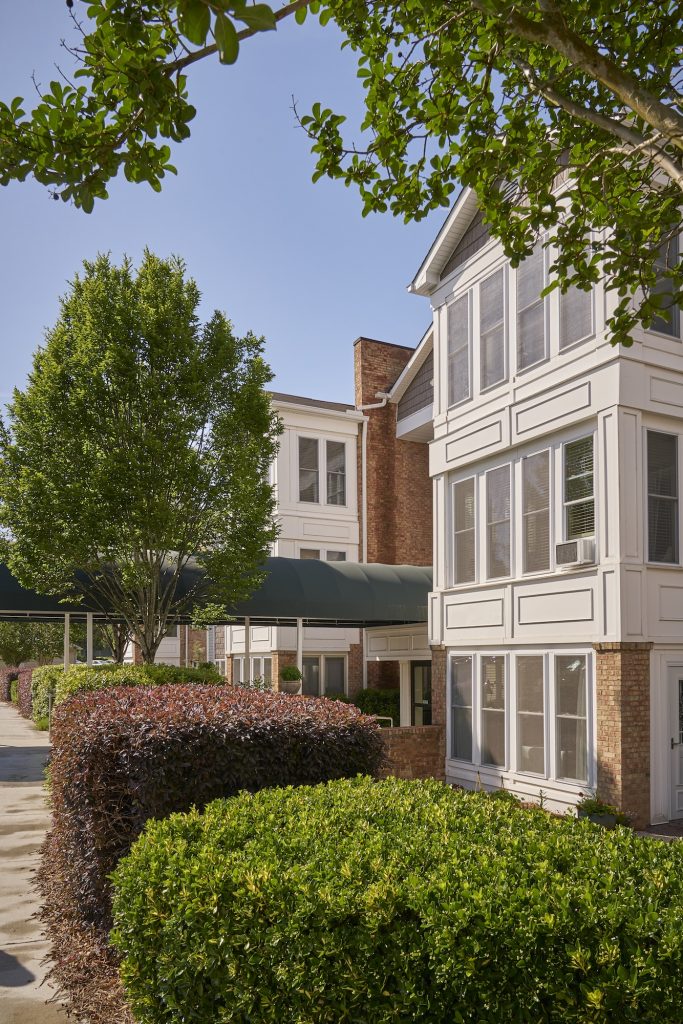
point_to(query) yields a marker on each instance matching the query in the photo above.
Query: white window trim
(518, 528)
(578, 501)
(322, 501)
(471, 378)
(646, 523)
(522, 370)
(314, 546)
(506, 326)
(511, 485)
(477, 505)
(321, 656)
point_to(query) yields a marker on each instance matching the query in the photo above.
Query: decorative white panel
(474, 442)
(560, 406)
(609, 604)
(633, 604)
(468, 613)
(671, 604)
(400, 643)
(666, 392)
(630, 463)
(435, 631)
(557, 606)
(377, 644)
(335, 531)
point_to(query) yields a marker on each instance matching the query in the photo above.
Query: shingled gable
(462, 231)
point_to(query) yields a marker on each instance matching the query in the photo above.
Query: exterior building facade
(558, 587)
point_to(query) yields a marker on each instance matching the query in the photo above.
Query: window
(334, 675)
(662, 497)
(492, 329)
(237, 664)
(579, 502)
(571, 720)
(172, 630)
(323, 674)
(463, 515)
(336, 556)
(309, 553)
(531, 343)
(530, 715)
(576, 316)
(308, 469)
(461, 709)
(498, 522)
(336, 473)
(668, 257)
(459, 350)
(493, 711)
(536, 512)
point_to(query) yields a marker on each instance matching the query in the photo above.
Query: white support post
(300, 645)
(247, 649)
(67, 641)
(88, 638)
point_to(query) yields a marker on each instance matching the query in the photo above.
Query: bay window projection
(461, 708)
(309, 489)
(464, 535)
(579, 499)
(531, 328)
(459, 350)
(530, 714)
(662, 497)
(492, 695)
(336, 473)
(492, 329)
(536, 512)
(323, 675)
(668, 257)
(498, 522)
(571, 732)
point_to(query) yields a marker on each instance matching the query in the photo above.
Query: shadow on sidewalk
(23, 764)
(12, 974)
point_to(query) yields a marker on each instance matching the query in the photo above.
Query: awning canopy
(345, 594)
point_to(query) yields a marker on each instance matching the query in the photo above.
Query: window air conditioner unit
(575, 552)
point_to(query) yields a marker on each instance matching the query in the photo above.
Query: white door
(676, 720)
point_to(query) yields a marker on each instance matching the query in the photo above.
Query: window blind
(464, 537)
(492, 329)
(493, 711)
(308, 469)
(531, 347)
(536, 512)
(459, 350)
(461, 708)
(662, 497)
(498, 522)
(530, 714)
(576, 316)
(570, 714)
(579, 500)
(336, 473)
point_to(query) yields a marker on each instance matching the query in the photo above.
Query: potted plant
(290, 679)
(599, 812)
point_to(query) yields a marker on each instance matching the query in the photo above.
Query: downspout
(384, 398)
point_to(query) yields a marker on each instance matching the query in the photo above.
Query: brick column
(280, 659)
(439, 687)
(355, 670)
(622, 693)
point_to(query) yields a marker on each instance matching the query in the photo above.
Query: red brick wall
(415, 752)
(220, 641)
(439, 691)
(280, 659)
(383, 675)
(399, 506)
(354, 664)
(623, 742)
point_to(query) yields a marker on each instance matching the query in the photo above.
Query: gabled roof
(424, 347)
(454, 227)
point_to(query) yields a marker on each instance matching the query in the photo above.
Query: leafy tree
(30, 641)
(487, 93)
(142, 441)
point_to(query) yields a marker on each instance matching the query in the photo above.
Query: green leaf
(227, 42)
(260, 17)
(194, 20)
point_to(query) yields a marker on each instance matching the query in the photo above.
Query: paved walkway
(24, 818)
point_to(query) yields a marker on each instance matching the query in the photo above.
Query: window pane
(308, 469)
(668, 257)
(464, 530)
(268, 670)
(336, 556)
(334, 675)
(530, 714)
(492, 329)
(493, 711)
(237, 670)
(309, 553)
(256, 668)
(461, 708)
(578, 486)
(531, 309)
(576, 316)
(336, 473)
(311, 677)
(458, 350)
(536, 511)
(570, 701)
(662, 497)
(498, 522)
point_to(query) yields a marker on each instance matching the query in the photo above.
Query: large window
(571, 717)
(336, 473)
(576, 316)
(492, 329)
(531, 339)
(579, 500)
(259, 668)
(309, 487)
(668, 258)
(464, 531)
(536, 512)
(323, 674)
(461, 709)
(459, 350)
(498, 522)
(530, 714)
(662, 497)
(492, 683)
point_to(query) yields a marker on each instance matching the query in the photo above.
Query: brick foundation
(415, 752)
(622, 682)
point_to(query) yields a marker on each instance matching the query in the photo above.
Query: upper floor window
(335, 556)
(498, 522)
(459, 350)
(464, 536)
(309, 484)
(492, 329)
(576, 316)
(667, 258)
(662, 497)
(336, 473)
(309, 553)
(579, 500)
(536, 512)
(531, 339)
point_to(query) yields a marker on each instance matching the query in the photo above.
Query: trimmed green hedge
(381, 902)
(380, 702)
(52, 679)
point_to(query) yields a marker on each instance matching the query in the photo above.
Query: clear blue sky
(281, 256)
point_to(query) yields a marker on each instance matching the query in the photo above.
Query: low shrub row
(376, 902)
(53, 681)
(386, 703)
(7, 675)
(123, 755)
(24, 703)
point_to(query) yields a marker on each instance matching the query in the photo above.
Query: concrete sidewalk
(24, 817)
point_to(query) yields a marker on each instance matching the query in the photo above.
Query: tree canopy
(142, 440)
(30, 641)
(491, 94)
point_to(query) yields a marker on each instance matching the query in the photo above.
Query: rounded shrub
(379, 902)
(386, 703)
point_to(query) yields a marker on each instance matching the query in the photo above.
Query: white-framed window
(579, 495)
(498, 522)
(322, 554)
(335, 556)
(171, 631)
(492, 708)
(336, 472)
(576, 316)
(530, 675)
(459, 369)
(307, 553)
(492, 339)
(571, 717)
(220, 665)
(464, 520)
(662, 497)
(536, 512)
(461, 708)
(668, 257)
(309, 473)
(323, 675)
(260, 667)
(532, 343)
